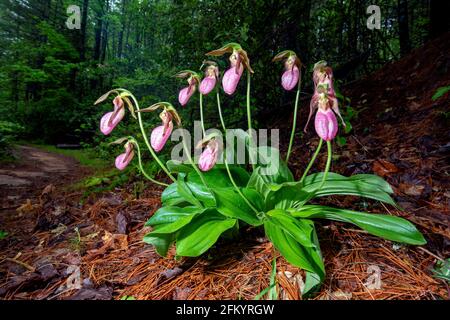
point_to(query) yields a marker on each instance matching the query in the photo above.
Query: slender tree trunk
(84, 15)
(403, 27)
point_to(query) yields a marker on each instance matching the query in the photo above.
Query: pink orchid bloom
(124, 159)
(231, 79)
(290, 78)
(161, 134)
(207, 84)
(232, 76)
(325, 122)
(186, 93)
(111, 119)
(208, 158)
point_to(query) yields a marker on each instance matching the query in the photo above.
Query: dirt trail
(34, 170)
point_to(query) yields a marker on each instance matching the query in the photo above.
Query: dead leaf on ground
(384, 168)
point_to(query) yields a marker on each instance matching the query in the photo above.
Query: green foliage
(194, 216)
(442, 270)
(440, 92)
(3, 234)
(9, 132)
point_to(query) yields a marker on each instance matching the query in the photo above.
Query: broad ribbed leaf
(169, 214)
(171, 197)
(231, 204)
(309, 259)
(161, 242)
(385, 226)
(286, 195)
(368, 186)
(203, 231)
(185, 192)
(171, 219)
(296, 228)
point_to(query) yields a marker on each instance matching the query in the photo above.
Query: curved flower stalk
(125, 158)
(238, 61)
(193, 80)
(144, 134)
(289, 79)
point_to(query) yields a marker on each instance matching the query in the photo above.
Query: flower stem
(220, 112)
(142, 168)
(312, 160)
(144, 136)
(188, 153)
(201, 114)
(237, 188)
(327, 167)
(294, 122)
(249, 120)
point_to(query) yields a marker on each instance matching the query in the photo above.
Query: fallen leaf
(383, 167)
(411, 189)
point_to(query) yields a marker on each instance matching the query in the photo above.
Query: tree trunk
(403, 27)
(83, 30)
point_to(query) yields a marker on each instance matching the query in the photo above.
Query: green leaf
(199, 235)
(364, 185)
(440, 92)
(385, 226)
(263, 181)
(442, 270)
(161, 242)
(171, 197)
(286, 195)
(309, 259)
(231, 204)
(176, 166)
(296, 228)
(171, 219)
(185, 192)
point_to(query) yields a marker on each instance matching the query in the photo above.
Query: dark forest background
(51, 75)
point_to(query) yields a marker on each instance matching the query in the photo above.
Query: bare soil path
(34, 169)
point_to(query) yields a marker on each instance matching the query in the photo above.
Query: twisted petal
(160, 135)
(231, 79)
(290, 78)
(185, 94)
(207, 84)
(326, 124)
(208, 157)
(110, 120)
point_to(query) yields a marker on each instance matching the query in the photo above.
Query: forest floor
(59, 247)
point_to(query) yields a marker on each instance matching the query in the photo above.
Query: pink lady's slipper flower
(186, 93)
(209, 81)
(325, 123)
(111, 119)
(238, 60)
(324, 98)
(208, 158)
(124, 159)
(161, 134)
(292, 65)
